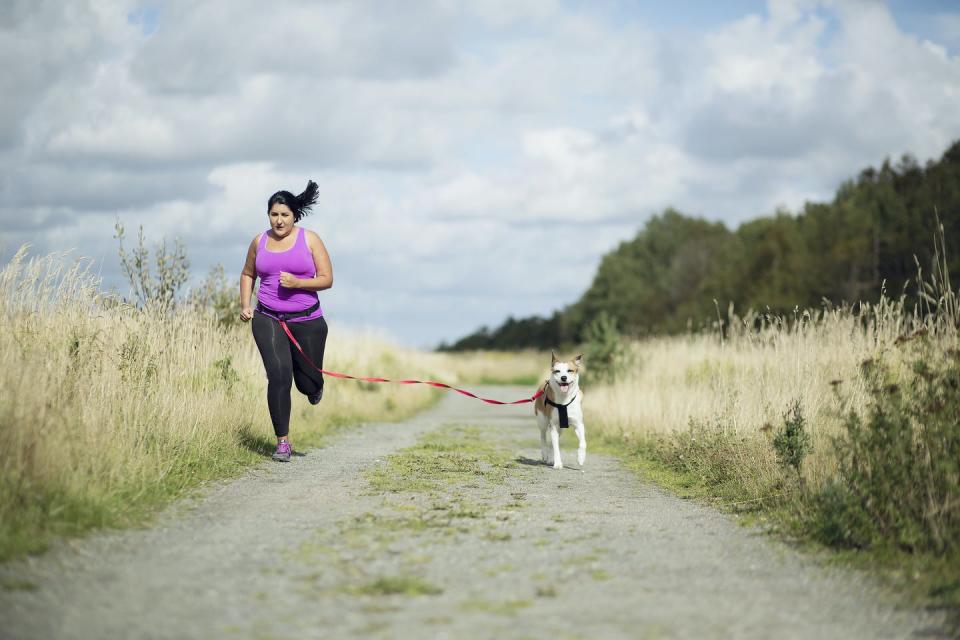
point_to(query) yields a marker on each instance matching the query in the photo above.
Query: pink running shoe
(282, 454)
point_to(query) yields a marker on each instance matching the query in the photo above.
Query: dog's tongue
(564, 387)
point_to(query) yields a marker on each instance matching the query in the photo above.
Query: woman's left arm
(321, 260)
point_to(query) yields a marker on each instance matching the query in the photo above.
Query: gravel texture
(314, 549)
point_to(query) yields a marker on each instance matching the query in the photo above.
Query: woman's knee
(307, 385)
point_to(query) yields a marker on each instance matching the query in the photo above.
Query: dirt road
(444, 526)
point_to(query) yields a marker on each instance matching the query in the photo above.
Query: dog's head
(565, 375)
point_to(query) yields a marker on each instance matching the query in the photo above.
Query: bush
(792, 442)
(899, 461)
(840, 521)
(607, 353)
(218, 296)
(156, 291)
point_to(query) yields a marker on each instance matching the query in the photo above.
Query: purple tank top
(297, 261)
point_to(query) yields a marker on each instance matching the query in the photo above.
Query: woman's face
(281, 219)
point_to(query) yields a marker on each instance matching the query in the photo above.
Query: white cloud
(459, 147)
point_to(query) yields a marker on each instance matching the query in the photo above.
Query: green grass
(504, 607)
(396, 585)
(451, 456)
(14, 584)
(498, 536)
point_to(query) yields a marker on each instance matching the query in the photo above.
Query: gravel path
(486, 543)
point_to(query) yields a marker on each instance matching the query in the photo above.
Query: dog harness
(562, 408)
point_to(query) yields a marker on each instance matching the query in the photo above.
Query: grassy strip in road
(454, 455)
(425, 489)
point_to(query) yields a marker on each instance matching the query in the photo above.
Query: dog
(561, 406)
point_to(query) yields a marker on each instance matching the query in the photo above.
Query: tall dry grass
(527, 367)
(107, 411)
(742, 384)
(726, 393)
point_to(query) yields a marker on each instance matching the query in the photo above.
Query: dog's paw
(581, 457)
(558, 465)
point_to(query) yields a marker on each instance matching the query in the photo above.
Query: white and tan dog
(560, 406)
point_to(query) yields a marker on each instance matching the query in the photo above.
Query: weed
(396, 585)
(792, 442)
(498, 536)
(506, 607)
(18, 585)
(227, 374)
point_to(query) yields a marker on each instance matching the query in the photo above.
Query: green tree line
(679, 271)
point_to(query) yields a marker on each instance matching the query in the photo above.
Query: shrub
(792, 442)
(839, 519)
(218, 296)
(606, 352)
(899, 460)
(157, 291)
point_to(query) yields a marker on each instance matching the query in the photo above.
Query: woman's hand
(246, 313)
(289, 280)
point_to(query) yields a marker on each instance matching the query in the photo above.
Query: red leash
(431, 383)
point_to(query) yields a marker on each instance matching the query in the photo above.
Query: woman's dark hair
(300, 205)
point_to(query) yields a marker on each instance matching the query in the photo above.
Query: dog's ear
(553, 358)
(578, 361)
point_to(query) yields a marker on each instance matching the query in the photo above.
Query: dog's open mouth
(564, 387)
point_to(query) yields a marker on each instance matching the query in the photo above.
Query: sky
(475, 158)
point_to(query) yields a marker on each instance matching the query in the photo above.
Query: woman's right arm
(247, 277)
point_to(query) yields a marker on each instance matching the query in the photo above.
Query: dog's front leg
(555, 441)
(544, 425)
(582, 438)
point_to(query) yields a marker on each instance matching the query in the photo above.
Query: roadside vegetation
(112, 407)
(838, 425)
(830, 411)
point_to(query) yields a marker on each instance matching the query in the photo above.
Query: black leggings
(285, 365)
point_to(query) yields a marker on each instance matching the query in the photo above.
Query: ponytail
(307, 199)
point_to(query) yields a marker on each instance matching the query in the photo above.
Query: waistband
(280, 315)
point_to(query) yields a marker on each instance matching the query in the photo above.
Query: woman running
(292, 265)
